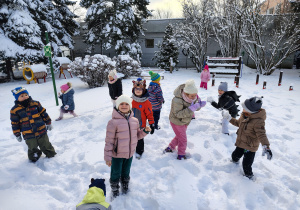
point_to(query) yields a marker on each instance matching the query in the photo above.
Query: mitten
(66, 107)
(209, 99)
(58, 94)
(194, 107)
(226, 115)
(19, 138)
(152, 128)
(266, 150)
(202, 103)
(49, 127)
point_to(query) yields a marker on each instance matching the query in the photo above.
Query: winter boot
(58, 119)
(124, 184)
(138, 156)
(180, 157)
(114, 189)
(168, 149)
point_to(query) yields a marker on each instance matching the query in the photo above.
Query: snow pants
(120, 168)
(156, 116)
(225, 124)
(180, 138)
(204, 85)
(247, 160)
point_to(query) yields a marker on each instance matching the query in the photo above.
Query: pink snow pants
(204, 85)
(180, 139)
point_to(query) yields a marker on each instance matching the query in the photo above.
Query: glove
(49, 127)
(195, 106)
(19, 138)
(226, 115)
(66, 107)
(209, 99)
(58, 94)
(152, 129)
(267, 151)
(202, 103)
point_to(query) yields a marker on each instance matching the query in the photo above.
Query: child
(251, 132)
(114, 86)
(122, 133)
(205, 77)
(30, 118)
(67, 99)
(95, 197)
(184, 104)
(142, 110)
(155, 97)
(226, 101)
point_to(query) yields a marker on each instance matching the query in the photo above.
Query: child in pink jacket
(122, 133)
(205, 77)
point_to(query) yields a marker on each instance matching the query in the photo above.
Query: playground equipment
(34, 72)
(63, 65)
(145, 73)
(224, 65)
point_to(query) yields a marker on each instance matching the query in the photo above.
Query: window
(270, 11)
(149, 43)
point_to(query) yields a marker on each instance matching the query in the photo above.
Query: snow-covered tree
(168, 50)
(23, 24)
(268, 40)
(195, 31)
(92, 69)
(127, 65)
(116, 24)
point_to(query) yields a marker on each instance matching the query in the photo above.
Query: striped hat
(154, 76)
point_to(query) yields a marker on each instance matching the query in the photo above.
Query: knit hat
(139, 83)
(66, 87)
(154, 76)
(113, 73)
(190, 87)
(123, 98)
(223, 86)
(98, 183)
(18, 91)
(206, 67)
(252, 105)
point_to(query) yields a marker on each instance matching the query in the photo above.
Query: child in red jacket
(142, 110)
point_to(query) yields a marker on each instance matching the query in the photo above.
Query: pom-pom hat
(190, 87)
(154, 76)
(113, 73)
(252, 105)
(223, 86)
(18, 91)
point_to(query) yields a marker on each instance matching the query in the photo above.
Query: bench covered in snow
(145, 73)
(224, 65)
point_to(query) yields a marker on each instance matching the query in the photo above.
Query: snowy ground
(207, 180)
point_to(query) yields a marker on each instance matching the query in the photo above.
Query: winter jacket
(121, 136)
(251, 131)
(142, 109)
(115, 89)
(93, 200)
(155, 96)
(227, 101)
(205, 76)
(29, 120)
(68, 99)
(180, 113)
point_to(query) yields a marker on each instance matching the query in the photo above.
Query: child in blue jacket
(67, 98)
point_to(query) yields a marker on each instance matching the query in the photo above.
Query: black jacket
(115, 89)
(227, 101)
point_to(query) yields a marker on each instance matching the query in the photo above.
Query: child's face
(191, 96)
(110, 78)
(62, 91)
(138, 91)
(124, 107)
(221, 92)
(23, 97)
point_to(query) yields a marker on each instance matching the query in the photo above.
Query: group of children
(126, 130)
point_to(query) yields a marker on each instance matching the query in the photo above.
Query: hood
(233, 95)
(94, 195)
(259, 115)
(177, 92)
(70, 90)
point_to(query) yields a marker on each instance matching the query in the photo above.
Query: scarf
(112, 81)
(188, 100)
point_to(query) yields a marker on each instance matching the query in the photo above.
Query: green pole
(52, 73)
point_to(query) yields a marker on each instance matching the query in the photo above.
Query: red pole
(265, 84)
(291, 87)
(237, 79)
(280, 78)
(257, 78)
(213, 80)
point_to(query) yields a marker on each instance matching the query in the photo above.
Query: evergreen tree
(168, 50)
(116, 23)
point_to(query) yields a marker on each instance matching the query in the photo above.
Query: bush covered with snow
(92, 69)
(127, 65)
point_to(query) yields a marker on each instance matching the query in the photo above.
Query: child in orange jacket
(142, 110)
